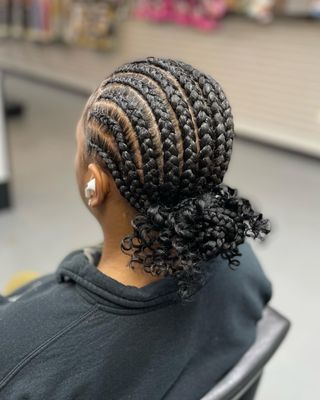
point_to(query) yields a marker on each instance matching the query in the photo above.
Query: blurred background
(266, 56)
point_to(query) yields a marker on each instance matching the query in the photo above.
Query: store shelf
(269, 73)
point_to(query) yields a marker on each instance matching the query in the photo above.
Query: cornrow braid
(204, 123)
(140, 125)
(130, 178)
(174, 94)
(166, 128)
(164, 131)
(210, 116)
(217, 101)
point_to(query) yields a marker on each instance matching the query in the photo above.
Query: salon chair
(241, 382)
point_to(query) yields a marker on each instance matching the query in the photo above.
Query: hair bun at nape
(194, 230)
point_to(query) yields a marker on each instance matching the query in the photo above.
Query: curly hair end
(196, 229)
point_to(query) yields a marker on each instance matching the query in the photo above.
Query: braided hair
(164, 131)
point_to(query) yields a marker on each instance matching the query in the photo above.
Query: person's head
(157, 136)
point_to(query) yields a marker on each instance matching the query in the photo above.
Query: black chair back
(241, 382)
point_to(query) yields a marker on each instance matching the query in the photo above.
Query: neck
(114, 263)
(115, 221)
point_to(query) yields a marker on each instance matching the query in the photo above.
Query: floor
(48, 220)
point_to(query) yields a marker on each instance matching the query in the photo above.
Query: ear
(102, 185)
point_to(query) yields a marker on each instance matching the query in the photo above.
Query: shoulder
(30, 288)
(35, 316)
(244, 289)
(252, 273)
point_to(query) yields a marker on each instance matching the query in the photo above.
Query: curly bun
(164, 131)
(196, 229)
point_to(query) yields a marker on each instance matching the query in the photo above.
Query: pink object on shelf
(203, 14)
(216, 8)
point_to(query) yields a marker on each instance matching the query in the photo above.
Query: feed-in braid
(133, 111)
(158, 110)
(164, 131)
(179, 104)
(210, 117)
(126, 166)
(217, 99)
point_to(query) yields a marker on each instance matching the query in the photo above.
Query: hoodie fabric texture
(78, 334)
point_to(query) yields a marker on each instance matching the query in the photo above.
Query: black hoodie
(81, 335)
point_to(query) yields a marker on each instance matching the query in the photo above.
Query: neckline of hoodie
(78, 267)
